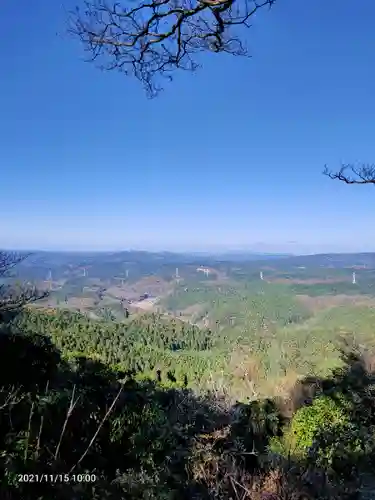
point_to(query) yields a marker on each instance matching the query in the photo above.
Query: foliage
(144, 442)
(363, 287)
(334, 427)
(306, 425)
(233, 310)
(150, 342)
(114, 399)
(144, 343)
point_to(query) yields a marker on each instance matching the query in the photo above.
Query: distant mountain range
(45, 258)
(241, 255)
(57, 258)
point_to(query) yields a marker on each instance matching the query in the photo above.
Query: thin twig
(10, 396)
(248, 492)
(28, 431)
(97, 430)
(68, 414)
(234, 487)
(40, 428)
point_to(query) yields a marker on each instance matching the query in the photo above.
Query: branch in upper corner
(350, 174)
(152, 38)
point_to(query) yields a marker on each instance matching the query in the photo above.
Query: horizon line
(182, 252)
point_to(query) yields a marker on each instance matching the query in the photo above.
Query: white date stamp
(56, 478)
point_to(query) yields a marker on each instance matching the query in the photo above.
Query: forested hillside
(255, 343)
(145, 344)
(236, 389)
(73, 426)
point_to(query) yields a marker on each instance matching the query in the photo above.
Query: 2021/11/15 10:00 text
(56, 478)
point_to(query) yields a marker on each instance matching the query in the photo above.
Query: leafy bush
(326, 432)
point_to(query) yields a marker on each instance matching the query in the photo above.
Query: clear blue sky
(230, 156)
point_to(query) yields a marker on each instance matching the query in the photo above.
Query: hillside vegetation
(235, 389)
(253, 339)
(100, 431)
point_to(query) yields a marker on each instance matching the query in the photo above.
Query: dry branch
(14, 296)
(152, 38)
(363, 174)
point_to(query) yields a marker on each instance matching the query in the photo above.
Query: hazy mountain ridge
(88, 258)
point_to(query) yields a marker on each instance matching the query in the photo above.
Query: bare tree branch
(152, 38)
(8, 260)
(363, 174)
(14, 296)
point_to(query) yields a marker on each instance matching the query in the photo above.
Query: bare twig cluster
(152, 38)
(14, 296)
(8, 260)
(351, 174)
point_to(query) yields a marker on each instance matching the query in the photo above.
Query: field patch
(151, 285)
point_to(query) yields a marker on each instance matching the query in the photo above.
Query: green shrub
(324, 414)
(325, 433)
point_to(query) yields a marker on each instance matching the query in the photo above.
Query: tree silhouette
(13, 296)
(152, 38)
(351, 174)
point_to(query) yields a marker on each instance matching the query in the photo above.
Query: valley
(284, 317)
(159, 373)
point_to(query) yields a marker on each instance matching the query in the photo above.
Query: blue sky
(228, 157)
